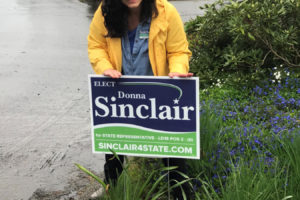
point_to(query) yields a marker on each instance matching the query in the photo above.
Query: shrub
(240, 42)
(247, 141)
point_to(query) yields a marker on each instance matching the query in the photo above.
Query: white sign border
(197, 100)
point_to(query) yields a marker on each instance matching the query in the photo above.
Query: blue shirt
(135, 58)
(131, 38)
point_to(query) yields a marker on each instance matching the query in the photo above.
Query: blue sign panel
(145, 116)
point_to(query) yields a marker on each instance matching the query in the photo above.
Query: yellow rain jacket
(167, 48)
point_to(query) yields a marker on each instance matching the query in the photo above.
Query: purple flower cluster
(250, 123)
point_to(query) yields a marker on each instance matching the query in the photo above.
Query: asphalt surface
(44, 103)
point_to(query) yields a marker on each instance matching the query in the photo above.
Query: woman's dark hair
(116, 15)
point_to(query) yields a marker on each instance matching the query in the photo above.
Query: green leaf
(251, 36)
(91, 174)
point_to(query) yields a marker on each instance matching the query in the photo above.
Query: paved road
(44, 102)
(190, 9)
(44, 105)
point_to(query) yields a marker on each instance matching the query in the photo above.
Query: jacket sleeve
(178, 54)
(97, 44)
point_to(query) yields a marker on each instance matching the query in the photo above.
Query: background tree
(242, 41)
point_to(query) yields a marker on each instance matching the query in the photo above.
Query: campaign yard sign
(145, 116)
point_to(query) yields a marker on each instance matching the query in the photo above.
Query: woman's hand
(112, 73)
(176, 74)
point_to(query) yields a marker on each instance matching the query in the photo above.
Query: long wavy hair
(115, 15)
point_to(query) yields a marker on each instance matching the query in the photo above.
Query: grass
(128, 187)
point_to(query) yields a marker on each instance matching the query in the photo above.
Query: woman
(139, 37)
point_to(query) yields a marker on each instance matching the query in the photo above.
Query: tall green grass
(128, 187)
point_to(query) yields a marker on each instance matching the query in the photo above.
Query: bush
(240, 42)
(249, 142)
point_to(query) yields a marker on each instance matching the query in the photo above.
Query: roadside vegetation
(247, 56)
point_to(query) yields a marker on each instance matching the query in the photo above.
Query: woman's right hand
(112, 73)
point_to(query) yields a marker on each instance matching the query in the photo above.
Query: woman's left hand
(176, 74)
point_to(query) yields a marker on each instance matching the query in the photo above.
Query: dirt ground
(79, 188)
(44, 102)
